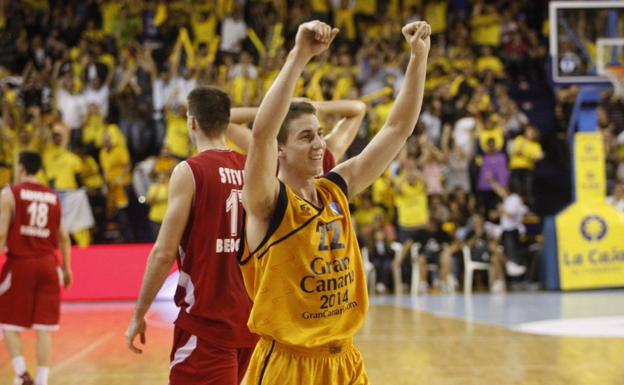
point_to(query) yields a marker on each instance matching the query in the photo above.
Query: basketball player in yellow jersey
(299, 256)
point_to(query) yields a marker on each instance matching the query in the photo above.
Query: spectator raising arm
(360, 172)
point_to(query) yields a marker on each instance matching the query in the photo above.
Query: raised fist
(314, 37)
(418, 35)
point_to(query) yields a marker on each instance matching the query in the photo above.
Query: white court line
(88, 349)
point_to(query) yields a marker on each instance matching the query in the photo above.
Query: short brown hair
(211, 109)
(31, 161)
(296, 110)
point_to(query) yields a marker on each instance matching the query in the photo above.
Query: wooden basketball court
(400, 346)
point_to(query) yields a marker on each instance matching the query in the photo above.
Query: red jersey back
(329, 161)
(213, 302)
(36, 221)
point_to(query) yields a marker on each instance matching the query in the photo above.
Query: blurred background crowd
(98, 88)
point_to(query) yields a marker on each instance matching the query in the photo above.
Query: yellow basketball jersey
(306, 279)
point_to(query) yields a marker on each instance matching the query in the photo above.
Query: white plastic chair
(397, 247)
(369, 270)
(469, 268)
(396, 270)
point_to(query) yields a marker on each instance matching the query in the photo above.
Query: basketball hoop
(616, 76)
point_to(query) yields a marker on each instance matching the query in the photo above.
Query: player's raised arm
(338, 139)
(261, 186)
(164, 252)
(360, 172)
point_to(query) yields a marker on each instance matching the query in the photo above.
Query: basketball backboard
(576, 27)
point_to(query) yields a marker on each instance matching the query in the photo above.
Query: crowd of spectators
(98, 87)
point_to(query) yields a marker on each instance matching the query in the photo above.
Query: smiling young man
(300, 259)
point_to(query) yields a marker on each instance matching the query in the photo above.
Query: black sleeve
(338, 181)
(276, 220)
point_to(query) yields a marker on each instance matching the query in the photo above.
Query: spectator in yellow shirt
(485, 25)
(344, 18)
(435, 14)
(7, 155)
(379, 114)
(157, 196)
(115, 162)
(366, 216)
(320, 10)
(488, 128)
(412, 206)
(488, 62)
(64, 169)
(176, 138)
(525, 151)
(91, 178)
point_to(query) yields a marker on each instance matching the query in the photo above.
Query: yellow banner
(590, 243)
(590, 233)
(589, 167)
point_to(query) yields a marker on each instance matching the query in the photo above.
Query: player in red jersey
(30, 295)
(338, 140)
(212, 344)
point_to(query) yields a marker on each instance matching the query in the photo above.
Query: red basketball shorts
(197, 362)
(30, 294)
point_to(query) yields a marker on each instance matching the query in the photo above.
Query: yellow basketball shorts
(273, 363)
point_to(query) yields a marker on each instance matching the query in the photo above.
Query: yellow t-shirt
(96, 35)
(243, 91)
(345, 21)
(366, 217)
(91, 176)
(412, 204)
(380, 114)
(432, 83)
(204, 31)
(407, 4)
(496, 134)
(366, 7)
(435, 14)
(457, 82)
(383, 193)
(177, 139)
(319, 6)
(524, 153)
(7, 140)
(164, 164)
(114, 163)
(307, 280)
(93, 130)
(157, 197)
(110, 11)
(491, 63)
(486, 30)
(61, 167)
(117, 137)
